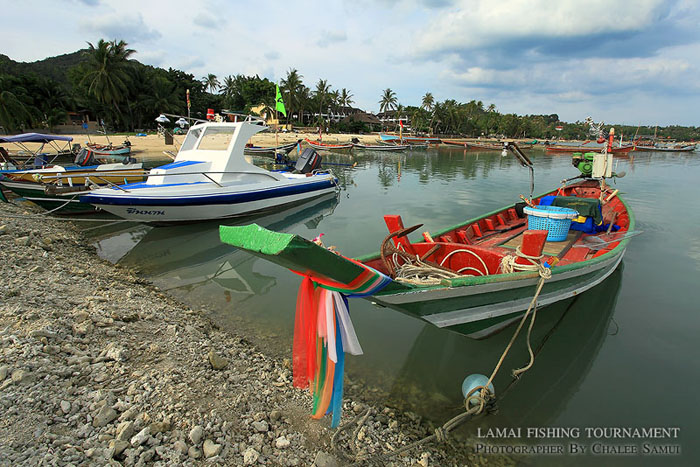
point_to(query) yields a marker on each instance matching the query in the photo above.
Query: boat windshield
(216, 138)
(191, 139)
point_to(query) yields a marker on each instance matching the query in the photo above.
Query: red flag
(188, 99)
(401, 123)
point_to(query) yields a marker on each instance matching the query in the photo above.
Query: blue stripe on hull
(230, 198)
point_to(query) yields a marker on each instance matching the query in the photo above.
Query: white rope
(509, 265)
(486, 269)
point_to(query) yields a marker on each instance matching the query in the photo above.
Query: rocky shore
(98, 367)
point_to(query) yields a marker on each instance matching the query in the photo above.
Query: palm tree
(321, 94)
(345, 98)
(292, 87)
(211, 83)
(428, 102)
(107, 74)
(388, 101)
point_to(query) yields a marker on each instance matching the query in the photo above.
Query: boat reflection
(186, 258)
(570, 334)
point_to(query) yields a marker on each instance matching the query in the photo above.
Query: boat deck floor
(558, 249)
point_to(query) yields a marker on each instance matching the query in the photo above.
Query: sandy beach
(99, 367)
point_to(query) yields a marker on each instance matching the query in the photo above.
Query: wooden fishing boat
(402, 139)
(411, 146)
(57, 188)
(381, 147)
(318, 145)
(478, 146)
(567, 149)
(35, 150)
(251, 150)
(677, 148)
(480, 275)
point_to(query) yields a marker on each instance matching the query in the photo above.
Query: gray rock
(323, 459)
(4, 371)
(261, 426)
(216, 361)
(194, 453)
(146, 456)
(180, 446)
(282, 442)
(118, 353)
(250, 456)
(160, 427)
(65, 407)
(21, 377)
(125, 430)
(105, 416)
(116, 448)
(211, 449)
(22, 241)
(196, 434)
(141, 437)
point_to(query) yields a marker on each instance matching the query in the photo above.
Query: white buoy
(474, 381)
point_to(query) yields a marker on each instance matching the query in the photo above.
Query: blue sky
(632, 62)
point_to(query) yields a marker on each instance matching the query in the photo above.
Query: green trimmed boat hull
(476, 306)
(34, 192)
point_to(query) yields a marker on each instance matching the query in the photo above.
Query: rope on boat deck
(485, 399)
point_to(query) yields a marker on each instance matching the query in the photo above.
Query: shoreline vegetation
(99, 367)
(104, 83)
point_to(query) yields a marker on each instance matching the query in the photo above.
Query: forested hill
(55, 68)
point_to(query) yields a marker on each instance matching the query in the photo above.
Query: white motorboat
(210, 178)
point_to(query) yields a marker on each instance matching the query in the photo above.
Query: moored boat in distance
(27, 156)
(329, 147)
(210, 178)
(379, 147)
(657, 148)
(407, 139)
(598, 148)
(252, 150)
(478, 276)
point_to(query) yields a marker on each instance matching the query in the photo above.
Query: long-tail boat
(479, 275)
(319, 145)
(408, 139)
(251, 150)
(566, 149)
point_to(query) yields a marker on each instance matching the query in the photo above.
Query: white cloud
(127, 26)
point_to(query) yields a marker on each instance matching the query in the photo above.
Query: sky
(630, 62)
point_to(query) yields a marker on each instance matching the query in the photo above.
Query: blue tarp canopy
(33, 138)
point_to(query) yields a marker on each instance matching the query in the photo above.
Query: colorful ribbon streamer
(323, 334)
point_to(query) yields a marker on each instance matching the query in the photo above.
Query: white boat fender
(471, 387)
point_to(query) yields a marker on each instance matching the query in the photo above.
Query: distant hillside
(55, 68)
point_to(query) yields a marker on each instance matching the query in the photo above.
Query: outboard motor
(309, 161)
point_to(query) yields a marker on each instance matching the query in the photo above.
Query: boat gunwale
(465, 281)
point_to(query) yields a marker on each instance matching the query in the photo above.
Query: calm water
(624, 354)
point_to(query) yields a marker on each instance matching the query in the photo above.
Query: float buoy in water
(474, 381)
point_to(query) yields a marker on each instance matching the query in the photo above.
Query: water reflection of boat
(430, 379)
(189, 256)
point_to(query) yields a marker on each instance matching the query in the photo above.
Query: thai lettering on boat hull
(144, 212)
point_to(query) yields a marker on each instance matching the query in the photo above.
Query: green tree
(211, 83)
(106, 72)
(388, 101)
(293, 87)
(345, 98)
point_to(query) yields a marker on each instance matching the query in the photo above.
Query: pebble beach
(99, 367)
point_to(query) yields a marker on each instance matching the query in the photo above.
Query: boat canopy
(34, 138)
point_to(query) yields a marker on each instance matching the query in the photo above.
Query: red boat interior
(477, 248)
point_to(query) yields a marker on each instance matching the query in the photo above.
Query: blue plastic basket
(554, 219)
